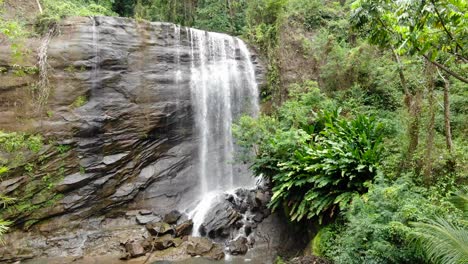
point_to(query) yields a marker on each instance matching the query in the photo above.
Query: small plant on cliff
(79, 101)
(4, 224)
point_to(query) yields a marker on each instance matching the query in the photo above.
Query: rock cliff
(119, 135)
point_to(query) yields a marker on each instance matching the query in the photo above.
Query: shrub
(316, 160)
(330, 170)
(55, 10)
(377, 226)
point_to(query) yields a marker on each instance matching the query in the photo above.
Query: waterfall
(223, 87)
(178, 73)
(43, 84)
(95, 72)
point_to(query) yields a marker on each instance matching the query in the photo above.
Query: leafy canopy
(435, 29)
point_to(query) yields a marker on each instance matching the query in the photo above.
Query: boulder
(220, 220)
(145, 219)
(172, 217)
(134, 249)
(159, 228)
(201, 246)
(184, 229)
(216, 253)
(166, 241)
(238, 246)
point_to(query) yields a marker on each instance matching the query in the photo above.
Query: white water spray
(223, 87)
(95, 72)
(43, 84)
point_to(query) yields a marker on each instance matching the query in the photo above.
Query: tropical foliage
(433, 29)
(316, 165)
(443, 241)
(363, 131)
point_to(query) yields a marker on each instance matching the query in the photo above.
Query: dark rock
(216, 253)
(166, 241)
(238, 246)
(258, 217)
(145, 212)
(247, 230)
(172, 217)
(159, 228)
(74, 181)
(134, 249)
(8, 186)
(200, 246)
(220, 220)
(262, 198)
(184, 229)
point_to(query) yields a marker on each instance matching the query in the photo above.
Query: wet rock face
(132, 138)
(131, 142)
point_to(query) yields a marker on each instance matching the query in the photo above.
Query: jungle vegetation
(363, 132)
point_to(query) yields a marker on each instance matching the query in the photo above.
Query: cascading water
(43, 84)
(96, 61)
(223, 87)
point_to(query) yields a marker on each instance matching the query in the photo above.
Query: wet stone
(172, 217)
(159, 228)
(184, 229)
(238, 246)
(145, 219)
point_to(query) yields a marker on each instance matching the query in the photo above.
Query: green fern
(4, 224)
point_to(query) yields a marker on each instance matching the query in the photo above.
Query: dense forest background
(363, 134)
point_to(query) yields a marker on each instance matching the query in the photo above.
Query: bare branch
(447, 70)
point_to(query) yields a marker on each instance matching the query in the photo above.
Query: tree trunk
(413, 106)
(413, 127)
(431, 124)
(448, 129)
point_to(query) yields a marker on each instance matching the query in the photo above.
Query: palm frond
(460, 200)
(442, 242)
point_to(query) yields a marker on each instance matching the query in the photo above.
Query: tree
(435, 30)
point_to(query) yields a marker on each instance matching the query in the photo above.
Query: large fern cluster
(317, 160)
(332, 168)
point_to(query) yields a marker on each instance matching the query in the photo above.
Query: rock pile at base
(173, 232)
(234, 219)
